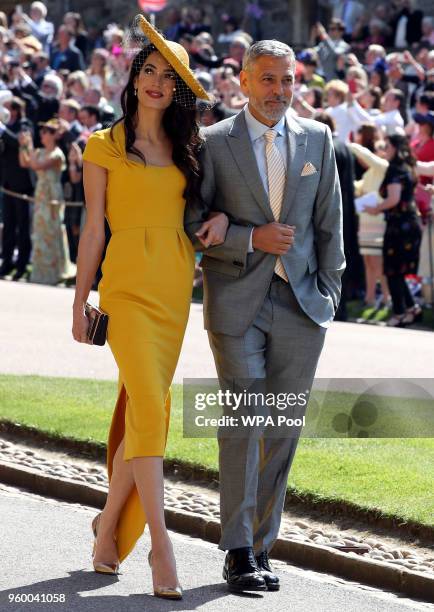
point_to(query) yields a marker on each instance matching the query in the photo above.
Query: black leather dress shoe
(241, 572)
(263, 563)
(5, 270)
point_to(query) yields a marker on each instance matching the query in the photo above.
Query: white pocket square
(308, 169)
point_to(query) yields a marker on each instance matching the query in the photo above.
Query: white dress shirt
(256, 131)
(345, 123)
(389, 120)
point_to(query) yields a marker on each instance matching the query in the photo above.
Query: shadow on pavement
(78, 583)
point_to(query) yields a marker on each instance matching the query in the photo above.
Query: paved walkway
(35, 334)
(181, 495)
(54, 557)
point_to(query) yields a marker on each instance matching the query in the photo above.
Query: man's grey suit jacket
(235, 281)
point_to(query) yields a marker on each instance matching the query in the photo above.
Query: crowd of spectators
(368, 74)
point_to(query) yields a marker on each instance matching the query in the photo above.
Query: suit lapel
(239, 142)
(297, 140)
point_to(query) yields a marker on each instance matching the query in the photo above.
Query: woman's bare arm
(91, 243)
(393, 196)
(425, 168)
(45, 164)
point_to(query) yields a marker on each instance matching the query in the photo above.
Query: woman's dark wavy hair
(368, 133)
(180, 125)
(403, 153)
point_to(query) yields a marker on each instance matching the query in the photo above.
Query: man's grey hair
(275, 48)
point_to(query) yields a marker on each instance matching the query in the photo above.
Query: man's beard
(272, 112)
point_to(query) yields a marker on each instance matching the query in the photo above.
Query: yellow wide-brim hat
(175, 55)
(52, 124)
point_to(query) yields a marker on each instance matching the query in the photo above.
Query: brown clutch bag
(98, 320)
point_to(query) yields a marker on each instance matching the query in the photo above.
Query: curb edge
(311, 556)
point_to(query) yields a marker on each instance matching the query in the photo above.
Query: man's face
(63, 36)
(35, 14)
(85, 118)
(65, 113)
(370, 57)
(389, 102)
(48, 89)
(91, 97)
(269, 86)
(237, 51)
(334, 32)
(332, 98)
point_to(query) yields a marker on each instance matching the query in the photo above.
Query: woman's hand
(22, 139)
(80, 324)
(25, 139)
(372, 210)
(213, 231)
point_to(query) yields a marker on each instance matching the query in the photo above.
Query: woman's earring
(135, 91)
(174, 89)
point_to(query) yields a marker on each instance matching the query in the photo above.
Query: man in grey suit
(270, 290)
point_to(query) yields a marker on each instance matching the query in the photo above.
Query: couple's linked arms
(277, 238)
(234, 241)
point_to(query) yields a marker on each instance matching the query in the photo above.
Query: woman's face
(375, 79)
(76, 89)
(69, 21)
(155, 82)
(48, 137)
(426, 130)
(389, 150)
(98, 62)
(380, 149)
(366, 99)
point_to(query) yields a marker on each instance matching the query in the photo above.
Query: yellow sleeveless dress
(146, 287)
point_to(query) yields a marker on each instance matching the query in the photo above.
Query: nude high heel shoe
(165, 592)
(98, 566)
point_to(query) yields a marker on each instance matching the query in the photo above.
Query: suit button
(238, 263)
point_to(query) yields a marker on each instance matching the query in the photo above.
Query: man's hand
(321, 31)
(213, 231)
(275, 238)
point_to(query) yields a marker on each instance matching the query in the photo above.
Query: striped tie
(276, 185)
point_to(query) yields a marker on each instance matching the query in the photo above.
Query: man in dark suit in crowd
(65, 55)
(345, 166)
(16, 217)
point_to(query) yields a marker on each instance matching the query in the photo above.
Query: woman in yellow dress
(141, 173)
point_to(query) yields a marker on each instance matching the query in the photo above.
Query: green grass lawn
(393, 475)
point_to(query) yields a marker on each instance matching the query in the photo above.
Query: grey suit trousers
(282, 344)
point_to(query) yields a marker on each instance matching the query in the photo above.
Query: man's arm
(236, 244)
(10, 138)
(327, 219)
